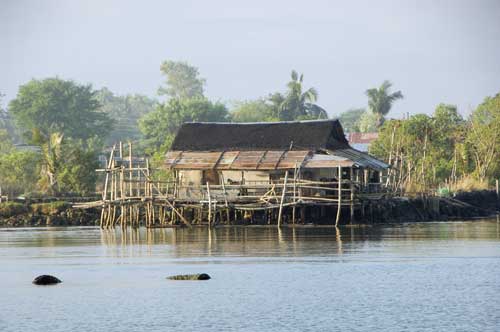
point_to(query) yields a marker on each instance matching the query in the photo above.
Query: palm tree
(299, 104)
(52, 159)
(380, 100)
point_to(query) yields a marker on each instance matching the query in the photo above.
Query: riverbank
(465, 205)
(59, 213)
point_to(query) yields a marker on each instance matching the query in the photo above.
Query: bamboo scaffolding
(130, 195)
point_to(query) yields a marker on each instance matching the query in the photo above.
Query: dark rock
(201, 276)
(46, 280)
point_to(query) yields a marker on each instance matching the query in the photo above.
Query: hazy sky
(434, 51)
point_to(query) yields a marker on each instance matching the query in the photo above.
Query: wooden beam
(339, 206)
(282, 200)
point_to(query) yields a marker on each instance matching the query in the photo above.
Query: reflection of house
(261, 153)
(361, 141)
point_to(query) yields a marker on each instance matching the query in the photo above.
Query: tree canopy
(259, 110)
(183, 80)
(299, 104)
(380, 101)
(56, 105)
(125, 112)
(159, 126)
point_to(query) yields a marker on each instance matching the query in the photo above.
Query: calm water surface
(415, 277)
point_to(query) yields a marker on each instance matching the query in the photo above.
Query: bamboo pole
(294, 192)
(339, 206)
(209, 205)
(225, 198)
(351, 203)
(282, 199)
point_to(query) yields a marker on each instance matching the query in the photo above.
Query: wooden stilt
(339, 202)
(282, 199)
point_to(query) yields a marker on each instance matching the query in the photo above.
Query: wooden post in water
(280, 212)
(225, 199)
(339, 202)
(351, 203)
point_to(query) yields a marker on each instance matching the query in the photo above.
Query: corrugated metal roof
(235, 160)
(270, 160)
(360, 159)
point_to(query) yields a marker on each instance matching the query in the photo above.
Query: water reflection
(249, 240)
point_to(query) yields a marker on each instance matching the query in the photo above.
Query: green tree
(19, 172)
(350, 119)
(55, 105)
(483, 136)
(253, 111)
(368, 122)
(160, 126)
(298, 104)
(125, 112)
(380, 100)
(183, 80)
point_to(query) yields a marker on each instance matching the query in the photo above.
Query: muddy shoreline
(466, 205)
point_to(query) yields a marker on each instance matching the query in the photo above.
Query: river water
(409, 277)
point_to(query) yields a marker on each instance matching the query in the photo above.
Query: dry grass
(469, 183)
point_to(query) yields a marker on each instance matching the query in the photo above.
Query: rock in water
(46, 280)
(201, 276)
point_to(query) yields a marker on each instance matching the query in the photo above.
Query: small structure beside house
(361, 141)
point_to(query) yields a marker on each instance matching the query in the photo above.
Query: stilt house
(309, 154)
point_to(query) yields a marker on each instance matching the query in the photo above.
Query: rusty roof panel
(227, 160)
(197, 160)
(270, 160)
(247, 160)
(171, 158)
(292, 159)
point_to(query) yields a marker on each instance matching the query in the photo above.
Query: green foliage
(298, 104)
(253, 111)
(51, 208)
(125, 112)
(183, 80)
(19, 171)
(77, 173)
(483, 137)
(160, 126)
(350, 119)
(9, 209)
(427, 152)
(368, 122)
(380, 100)
(42, 107)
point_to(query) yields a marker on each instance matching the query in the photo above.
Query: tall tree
(299, 104)
(160, 126)
(350, 119)
(183, 80)
(125, 111)
(253, 111)
(55, 105)
(380, 100)
(483, 136)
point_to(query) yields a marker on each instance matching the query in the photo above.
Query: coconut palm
(299, 104)
(52, 158)
(380, 100)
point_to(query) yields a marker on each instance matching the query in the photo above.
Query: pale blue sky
(434, 51)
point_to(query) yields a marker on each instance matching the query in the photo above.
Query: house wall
(191, 177)
(196, 177)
